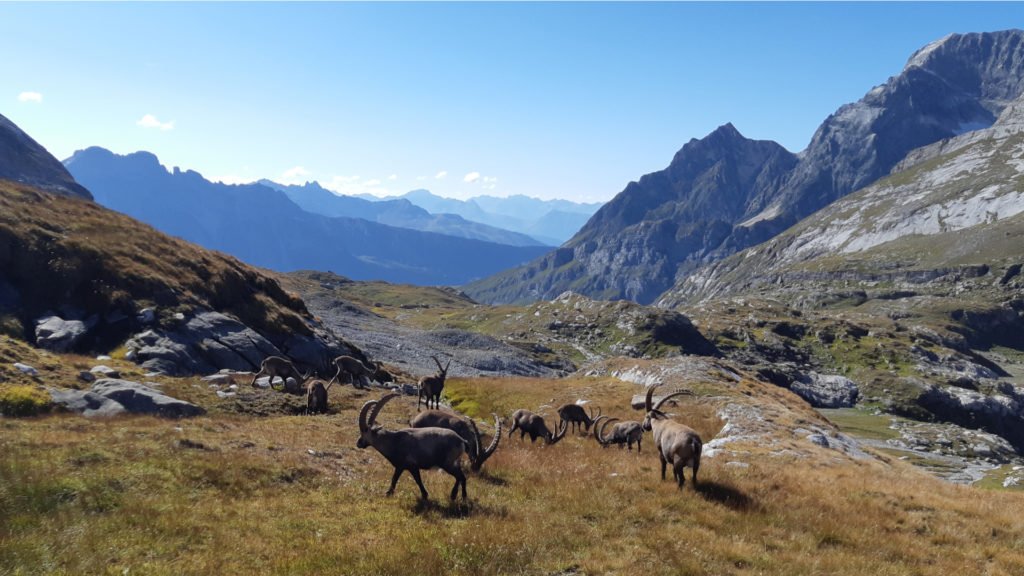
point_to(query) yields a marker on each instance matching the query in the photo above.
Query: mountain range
(23, 160)
(400, 213)
(550, 221)
(262, 226)
(724, 193)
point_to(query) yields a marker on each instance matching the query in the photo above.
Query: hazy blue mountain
(724, 193)
(23, 160)
(402, 213)
(264, 227)
(518, 213)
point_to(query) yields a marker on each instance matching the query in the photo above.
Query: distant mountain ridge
(721, 194)
(550, 221)
(23, 160)
(312, 197)
(262, 226)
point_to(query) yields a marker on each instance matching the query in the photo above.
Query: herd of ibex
(437, 438)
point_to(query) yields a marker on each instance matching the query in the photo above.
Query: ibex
(278, 367)
(355, 369)
(316, 397)
(577, 416)
(464, 427)
(623, 433)
(380, 374)
(677, 444)
(413, 449)
(529, 423)
(432, 386)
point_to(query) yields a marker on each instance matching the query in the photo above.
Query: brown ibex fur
(577, 416)
(316, 397)
(432, 386)
(355, 369)
(529, 423)
(413, 449)
(677, 443)
(465, 428)
(623, 433)
(278, 367)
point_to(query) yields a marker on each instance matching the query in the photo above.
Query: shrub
(23, 401)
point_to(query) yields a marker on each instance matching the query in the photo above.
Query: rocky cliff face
(721, 194)
(23, 160)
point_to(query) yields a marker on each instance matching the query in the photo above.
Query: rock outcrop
(110, 397)
(23, 160)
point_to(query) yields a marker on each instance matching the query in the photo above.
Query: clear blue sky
(566, 100)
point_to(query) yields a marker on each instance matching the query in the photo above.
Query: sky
(551, 100)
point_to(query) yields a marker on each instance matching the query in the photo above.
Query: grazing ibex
(576, 415)
(355, 369)
(380, 374)
(529, 423)
(432, 386)
(278, 367)
(413, 449)
(464, 427)
(677, 444)
(623, 433)
(316, 397)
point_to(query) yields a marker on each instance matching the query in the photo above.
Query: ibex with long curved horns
(577, 416)
(464, 427)
(624, 433)
(413, 449)
(529, 423)
(278, 367)
(677, 443)
(432, 386)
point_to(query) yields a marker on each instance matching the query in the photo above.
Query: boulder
(26, 369)
(140, 399)
(86, 403)
(826, 390)
(146, 316)
(86, 376)
(57, 334)
(103, 371)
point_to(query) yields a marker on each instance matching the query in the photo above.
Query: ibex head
(442, 372)
(654, 410)
(482, 454)
(368, 426)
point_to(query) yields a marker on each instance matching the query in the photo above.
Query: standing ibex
(577, 416)
(677, 444)
(464, 427)
(529, 423)
(623, 433)
(355, 369)
(432, 386)
(316, 397)
(278, 367)
(413, 449)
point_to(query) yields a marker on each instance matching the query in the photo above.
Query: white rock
(26, 369)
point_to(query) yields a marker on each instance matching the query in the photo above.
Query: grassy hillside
(292, 495)
(59, 252)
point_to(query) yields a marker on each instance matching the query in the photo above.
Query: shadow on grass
(456, 509)
(484, 476)
(725, 495)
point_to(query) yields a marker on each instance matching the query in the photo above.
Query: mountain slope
(657, 230)
(263, 227)
(23, 160)
(955, 204)
(400, 213)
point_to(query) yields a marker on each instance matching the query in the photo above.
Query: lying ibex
(278, 367)
(623, 433)
(577, 416)
(413, 449)
(677, 444)
(529, 423)
(316, 397)
(355, 369)
(432, 386)
(464, 427)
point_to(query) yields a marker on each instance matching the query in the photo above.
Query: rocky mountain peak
(23, 160)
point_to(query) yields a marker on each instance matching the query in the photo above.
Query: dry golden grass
(236, 495)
